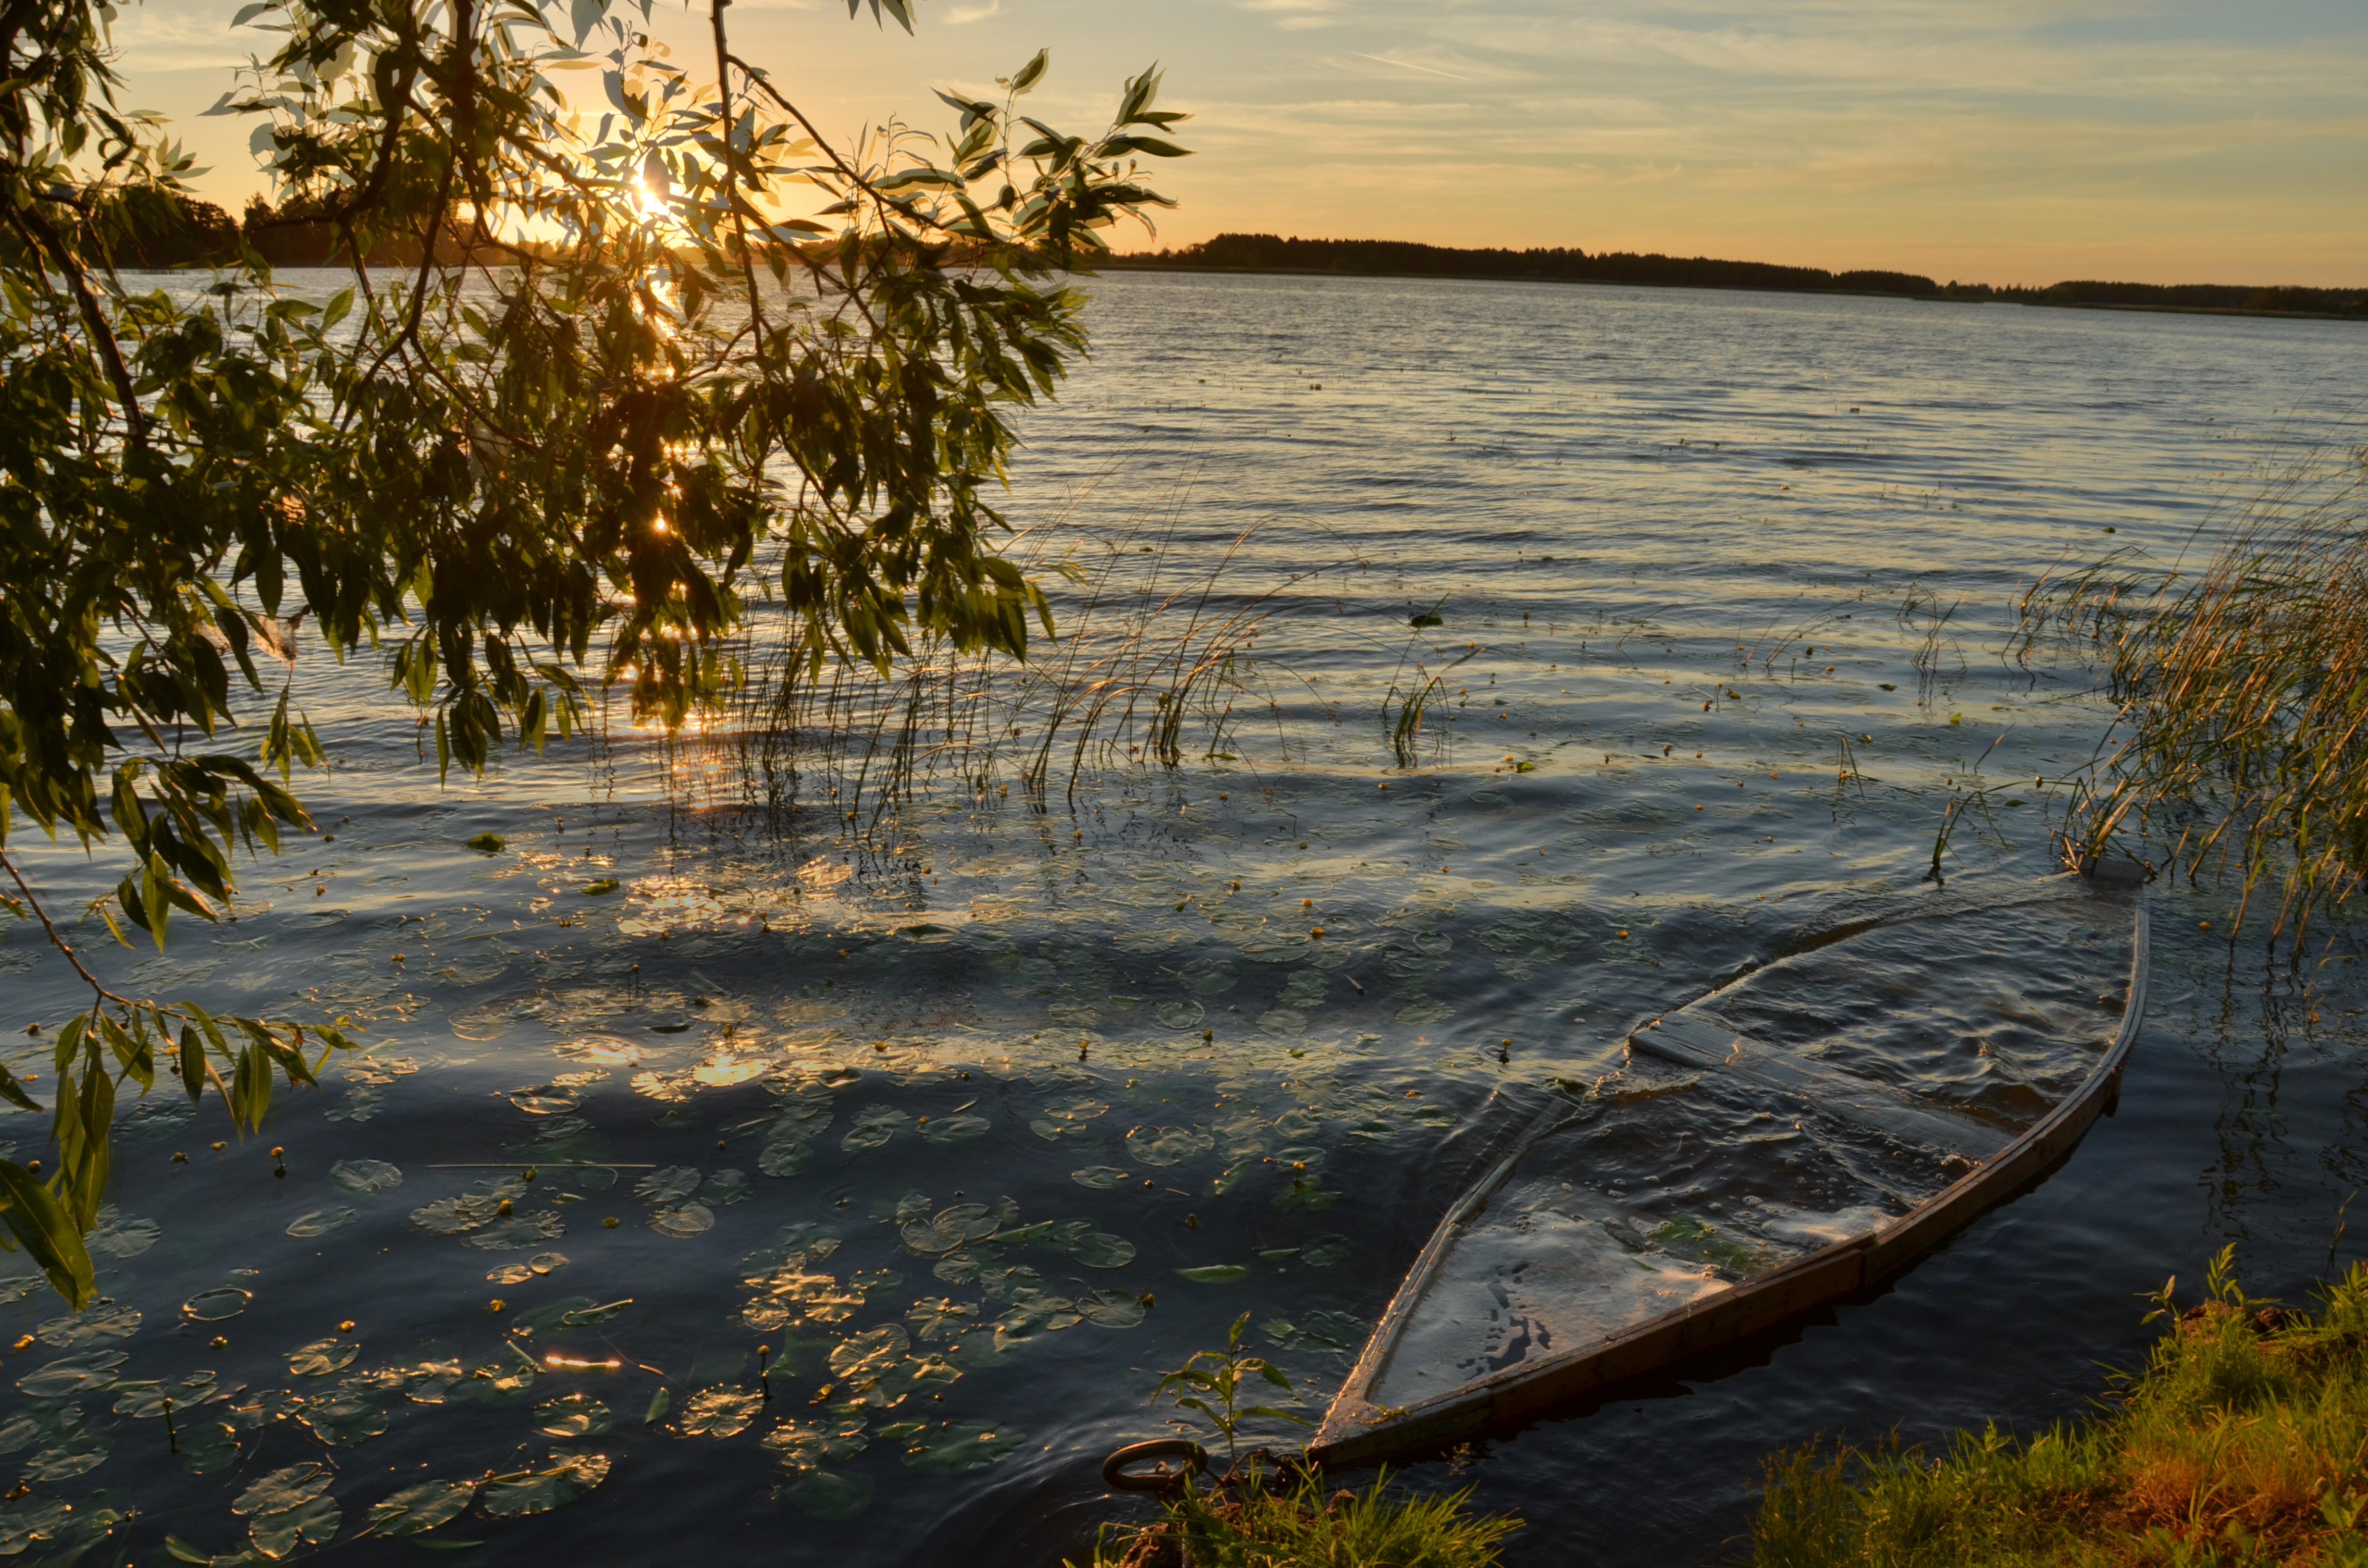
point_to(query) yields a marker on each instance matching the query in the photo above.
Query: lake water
(980, 1111)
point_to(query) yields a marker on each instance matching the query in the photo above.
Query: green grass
(1301, 1528)
(2243, 1440)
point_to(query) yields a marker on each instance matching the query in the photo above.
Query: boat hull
(1358, 1432)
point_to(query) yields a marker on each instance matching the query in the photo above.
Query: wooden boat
(1783, 1142)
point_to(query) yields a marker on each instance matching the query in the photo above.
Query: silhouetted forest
(1398, 258)
(166, 233)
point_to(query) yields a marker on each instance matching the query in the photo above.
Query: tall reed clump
(2242, 1441)
(1145, 661)
(1250, 1527)
(2242, 741)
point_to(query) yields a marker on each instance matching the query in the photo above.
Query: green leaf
(1032, 72)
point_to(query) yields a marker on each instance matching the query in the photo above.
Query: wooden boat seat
(1690, 1040)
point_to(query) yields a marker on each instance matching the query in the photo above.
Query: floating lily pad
(540, 1491)
(520, 1230)
(719, 1412)
(321, 1222)
(98, 1326)
(119, 1237)
(1212, 1273)
(86, 1373)
(599, 886)
(725, 1188)
(1102, 1250)
(939, 1317)
(683, 1221)
(829, 1494)
(572, 1416)
(1099, 1178)
(873, 1127)
(1323, 1252)
(145, 1402)
(480, 1203)
(487, 842)
(954, 1445)
(785, 1159)
(64, 1460)
(954, 1129)
(349, 1414)
(282, 1490)
(322, 1356)
(366, 1175)
(1166, 1145)
(804, 1444)
(1110, 1308)
(859, 1357)
(1184, 1013)
(548, 1099)
(418, 1509)
(1208, 977)
(671, 1185)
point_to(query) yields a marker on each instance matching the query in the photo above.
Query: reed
(1142, 664)
(2240, 747)
(1251, 1526)
(2239, 1442)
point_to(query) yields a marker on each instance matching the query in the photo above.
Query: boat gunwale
(1357, 1432)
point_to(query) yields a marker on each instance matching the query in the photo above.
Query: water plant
(608, 370)
(2238, 1442)
(1255, 1526)
(2241, 744)
(1213, 1383)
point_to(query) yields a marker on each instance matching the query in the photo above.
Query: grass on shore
(1300, 1528)
(2243, 1440)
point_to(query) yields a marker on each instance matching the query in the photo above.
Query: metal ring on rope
(1116, 1473)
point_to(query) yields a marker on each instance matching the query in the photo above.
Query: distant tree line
(1386, 258)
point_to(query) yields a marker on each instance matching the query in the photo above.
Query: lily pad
(873, 1127)
(954, 1445)
(321, 1222)
(572, 1416)
(829, 1494)
(351, 1413)
(1323, 1252)
(954, 1129)
(1102, 1250)
(366, 1175)
(86, 1373)
(418, 1509)
(1166, 1145)
(315, 1522)
(283, 1490)
(806, 1444)
(1099, 1178)
(487, 842)
(683, 1221)
(785, 1159)
(1212, 1273)
(64, 1460)
(540, 1491)
(122, 1238)
(95, 1326)
(145, 1402)
(1184, 1013)
(548, 1099)
(671, 1185)
(719, 1412)
(1110, 1308)
(520, 1230)
(322, 1356)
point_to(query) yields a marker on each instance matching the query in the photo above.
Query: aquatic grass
(1253, 1527)
(2242, 741)
(2241, 1441)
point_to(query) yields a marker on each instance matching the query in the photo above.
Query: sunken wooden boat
(1802, 1132)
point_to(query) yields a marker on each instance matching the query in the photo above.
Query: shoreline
(1124, 264)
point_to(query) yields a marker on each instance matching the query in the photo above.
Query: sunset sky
(2002, 140)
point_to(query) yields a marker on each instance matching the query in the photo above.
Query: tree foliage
(623, 345)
